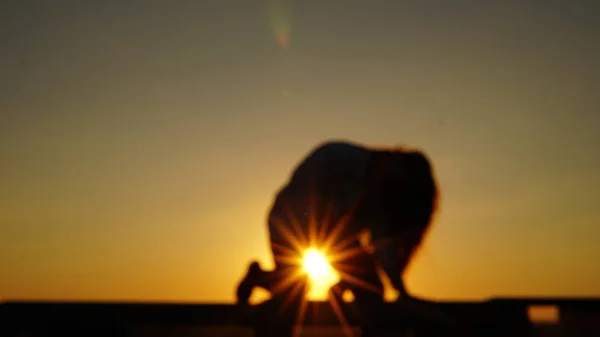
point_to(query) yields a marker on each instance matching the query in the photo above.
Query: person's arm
(393, 255)
(385, 251)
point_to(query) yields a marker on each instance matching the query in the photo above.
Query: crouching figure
(340, 191)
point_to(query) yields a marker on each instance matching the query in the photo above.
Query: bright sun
(315, 264)
(321, 274)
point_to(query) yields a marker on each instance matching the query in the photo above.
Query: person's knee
(252, 279)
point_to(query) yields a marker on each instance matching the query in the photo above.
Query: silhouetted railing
(577, 317)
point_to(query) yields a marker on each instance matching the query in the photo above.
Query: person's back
(324, 186)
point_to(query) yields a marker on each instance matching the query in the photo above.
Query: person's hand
(425, 308)
(417, 305)
(406, 298)
(398, 284)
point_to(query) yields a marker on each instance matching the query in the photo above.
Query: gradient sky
(141, 141)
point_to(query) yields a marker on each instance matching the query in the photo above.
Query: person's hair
(402, 181)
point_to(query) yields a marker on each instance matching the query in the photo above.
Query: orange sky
(141, 142)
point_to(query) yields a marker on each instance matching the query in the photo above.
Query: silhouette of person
(340, 190)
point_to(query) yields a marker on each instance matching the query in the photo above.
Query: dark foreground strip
(497, 314)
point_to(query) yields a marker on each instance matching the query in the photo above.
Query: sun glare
(315, 264)
(321, 274)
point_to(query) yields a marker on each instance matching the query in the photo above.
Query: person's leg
(358, 274)
(286, 280)
(251, 280)
(287, 283)
(287, 287)
(286, 219)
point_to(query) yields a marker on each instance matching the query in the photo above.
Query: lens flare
(315, 264)
(280, 22)
(321, 274)
(316, 241)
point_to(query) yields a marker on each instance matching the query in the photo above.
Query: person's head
(401, 198)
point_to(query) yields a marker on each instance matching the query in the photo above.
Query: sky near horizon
(141, 142)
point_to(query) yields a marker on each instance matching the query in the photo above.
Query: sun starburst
(319, 243)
